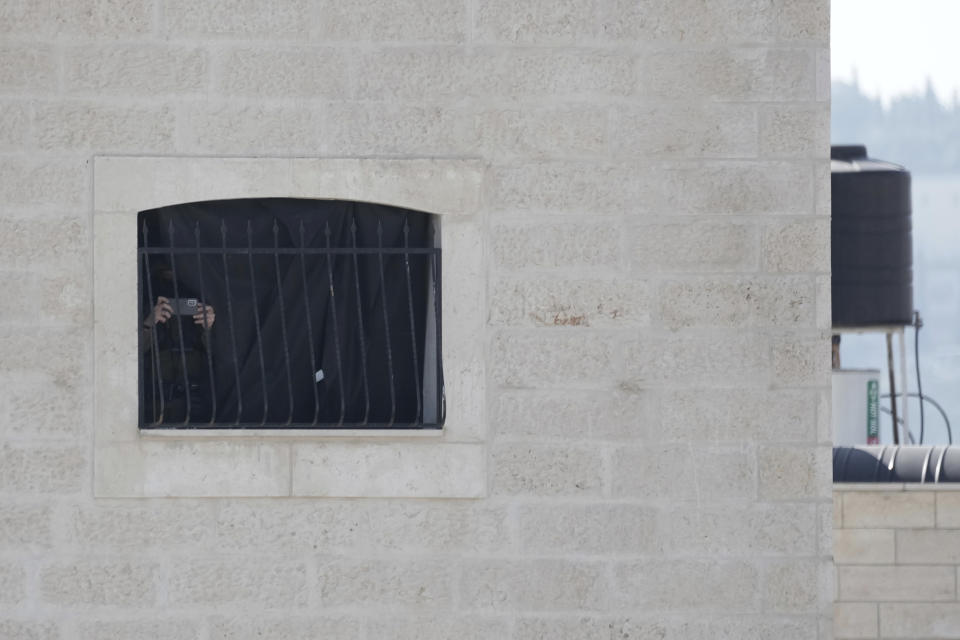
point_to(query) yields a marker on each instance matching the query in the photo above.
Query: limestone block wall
(897, 553)
(654, 269)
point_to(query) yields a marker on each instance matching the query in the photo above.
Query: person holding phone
(176, 333)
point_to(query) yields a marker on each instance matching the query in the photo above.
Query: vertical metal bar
(233, 335)
(905, 388)
(283, 318)
(413, 329)
(363, 343)
(435, 264)
(336, 330)
(155, 347)
(256, 319)
(206, 328)
(893, 389)
(183, 355)
(386, 324)
(306, 304)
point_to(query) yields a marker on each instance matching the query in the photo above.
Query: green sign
(873, 412)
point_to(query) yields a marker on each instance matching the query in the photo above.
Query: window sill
(218, 434)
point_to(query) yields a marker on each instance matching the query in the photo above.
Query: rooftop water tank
(872, 245)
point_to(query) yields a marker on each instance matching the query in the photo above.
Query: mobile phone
(185, 306)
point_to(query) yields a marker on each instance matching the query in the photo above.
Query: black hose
(917, 325)
(936, 405)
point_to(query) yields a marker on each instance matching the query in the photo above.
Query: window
(281, 312)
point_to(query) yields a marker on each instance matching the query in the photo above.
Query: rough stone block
(375, 129)
(243, 581)
(794, 472)
(721, 586)
(58, 352)
(579, 247)
(694, 246)
(253, 129)
(918, 620)
(430, 527)
(737, 302)
(44, 244)
(246, 526)
(532, 361)
(580, 627)
(662, 473)
(290, 19)
(15, 133)
(701, 131)
(748, 531)
(793, 586)
(414, 584)
(398, 20)
(801, 361)
(114, 583)
(106, 19)
(920, 546)
(823, 75)
(50, 184)
(597, 415)
(101, 127)
(797, 247)
(55, 298)
(132, 527)
(286, 628)
(157, 629)
(738, 415)
(545, 470)
(855, 620)
(37, 406)
(864, 546)
(294, 73)
(795, 131)
(408, 73)
(535, 21)
(557, 73)
(804, 20)
(28, 630)
(25, 526)
(48, 469)
(532, 585)
(681, 22)
(744, 188)
(27, 68)
(576, 188)
(755, 74)
(570, 303)
(695, 360)
(572, 132)
(896, 584)
(948, 509)
(894, 509)
(825, 531)
(462, 627)
(588, 529)
(142, 69)
(12, 583)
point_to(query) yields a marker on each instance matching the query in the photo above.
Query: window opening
(285, 313)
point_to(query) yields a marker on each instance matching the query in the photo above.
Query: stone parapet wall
(897, 554)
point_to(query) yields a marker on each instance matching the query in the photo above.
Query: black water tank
(872, 245)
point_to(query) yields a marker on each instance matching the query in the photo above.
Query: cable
(917, 325)
(935, 404)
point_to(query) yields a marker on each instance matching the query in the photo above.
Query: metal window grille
(325, 314)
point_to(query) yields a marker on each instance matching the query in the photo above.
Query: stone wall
(897, 551)
(655, 270)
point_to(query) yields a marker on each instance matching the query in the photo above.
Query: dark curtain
(259, 362)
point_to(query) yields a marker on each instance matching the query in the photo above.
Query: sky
(895, 45)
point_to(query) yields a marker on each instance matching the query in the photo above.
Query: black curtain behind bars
(359, 335)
